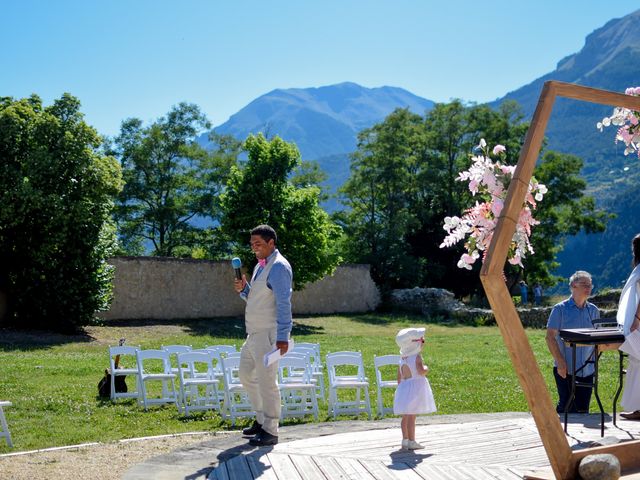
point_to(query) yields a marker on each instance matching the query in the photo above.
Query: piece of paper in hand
(274, 355)
(631, 344)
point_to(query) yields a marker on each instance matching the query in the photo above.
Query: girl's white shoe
(405, 444)
(413, 445)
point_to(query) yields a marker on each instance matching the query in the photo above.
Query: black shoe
(254, 429)
(263, 439)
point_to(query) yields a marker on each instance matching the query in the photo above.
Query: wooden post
(563, 461)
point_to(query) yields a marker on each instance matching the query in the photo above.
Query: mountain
(324, 123)
(610, 60)
(321, 121)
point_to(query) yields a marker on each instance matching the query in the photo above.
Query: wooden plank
(429, 472)
(378, 470)
(596, 95)
(306, 467)
(477, 472)
(220, 472)
(260, 465)
(452, 472)
(628, 453)
(505, 473)
(328, 467)
(283, 467)
(353, 469)
(238, 468)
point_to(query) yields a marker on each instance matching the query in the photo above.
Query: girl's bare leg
(411, 427)
(404, 426)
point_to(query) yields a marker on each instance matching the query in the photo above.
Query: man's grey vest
(260, 314)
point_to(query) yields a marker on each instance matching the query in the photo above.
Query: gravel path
(103, 461)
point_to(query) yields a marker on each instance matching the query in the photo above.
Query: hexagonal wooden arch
(564, 461)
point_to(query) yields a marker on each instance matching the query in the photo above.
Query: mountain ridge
(324, 123)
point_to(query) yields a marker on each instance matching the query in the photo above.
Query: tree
(56, 192)
(453, 131)
(403, 184)
(259, 192)
(378, 195)
(171, 182)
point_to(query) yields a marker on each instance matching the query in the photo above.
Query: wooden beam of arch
(563, 461)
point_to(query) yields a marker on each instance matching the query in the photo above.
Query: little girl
(413, 395)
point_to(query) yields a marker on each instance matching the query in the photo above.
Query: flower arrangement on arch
(627, 122)
(489, 180)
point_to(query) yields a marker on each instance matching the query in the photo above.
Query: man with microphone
(268, 323)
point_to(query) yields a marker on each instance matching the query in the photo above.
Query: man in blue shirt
(268, 323)
(575, 312)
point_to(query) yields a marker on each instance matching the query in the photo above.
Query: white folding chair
(198, 383)
(297, 390)
(3, 423)
(174, 350)
(126, 365)
(236, 399)
(317, 369)
(390, 381)
(155, 365)
(346, 372)
(222, 349)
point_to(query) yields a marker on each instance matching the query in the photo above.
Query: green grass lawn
(52, 379)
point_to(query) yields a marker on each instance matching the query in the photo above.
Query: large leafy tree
(384, 173)
(453, 131)
(56, 191)
(403, 184)
(171, 183)
(260, 191)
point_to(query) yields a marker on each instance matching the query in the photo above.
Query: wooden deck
(486, 450)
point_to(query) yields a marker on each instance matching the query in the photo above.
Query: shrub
(56, 193)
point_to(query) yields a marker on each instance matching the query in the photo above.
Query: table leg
(595, 389)
(573, 386)
(620, 383)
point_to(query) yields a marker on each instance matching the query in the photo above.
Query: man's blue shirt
(565, 315)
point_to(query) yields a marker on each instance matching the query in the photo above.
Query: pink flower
(499, 149)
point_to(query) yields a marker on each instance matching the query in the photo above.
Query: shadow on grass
(11, 339)
(229, 327)
(388, 318)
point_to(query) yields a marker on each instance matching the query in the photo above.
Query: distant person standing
(537, 294)
(524, 292)
(574, 312)
(268, 323)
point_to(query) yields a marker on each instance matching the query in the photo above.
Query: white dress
(413, 395)
(629, 299)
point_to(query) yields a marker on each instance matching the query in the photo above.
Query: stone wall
(167, 288)
(440, 302)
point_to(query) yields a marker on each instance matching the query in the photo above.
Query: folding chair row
(156, 365)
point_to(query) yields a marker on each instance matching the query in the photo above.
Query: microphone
(236, 263)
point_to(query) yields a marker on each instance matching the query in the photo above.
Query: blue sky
(137, 58)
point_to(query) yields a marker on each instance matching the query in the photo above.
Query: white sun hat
(408, 339)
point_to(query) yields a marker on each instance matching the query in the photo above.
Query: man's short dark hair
(266, 232)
